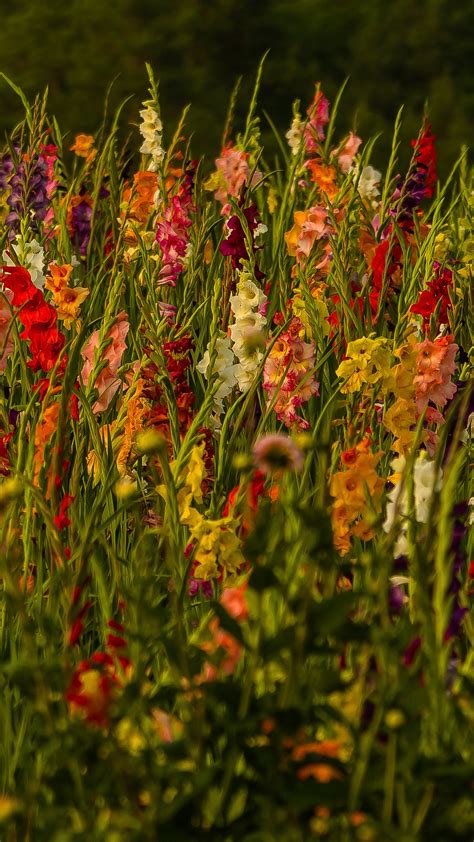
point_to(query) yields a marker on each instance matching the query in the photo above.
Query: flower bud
(150, 441)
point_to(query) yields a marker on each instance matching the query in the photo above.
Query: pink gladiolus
(318, 114)
(107, 382)
(231, 176)
(172, 236)
(348, 151)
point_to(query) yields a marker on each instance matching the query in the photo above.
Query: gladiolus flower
(235, 603)
(434, 366)
(347, 152)
(83, 146)
(310, 225)
(107, 382)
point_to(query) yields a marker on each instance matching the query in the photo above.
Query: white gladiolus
(426, 482)
(247, 330)
(30, 256)
(368, 184)
(249, 296)
(245, 326)
(151, 129)
(294, 134)
(225, 367)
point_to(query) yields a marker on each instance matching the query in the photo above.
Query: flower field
(235, 449)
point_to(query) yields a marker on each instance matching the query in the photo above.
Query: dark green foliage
(393, 52)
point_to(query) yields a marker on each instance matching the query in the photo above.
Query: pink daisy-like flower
(277, 452)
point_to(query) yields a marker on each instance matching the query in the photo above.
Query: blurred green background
(395, 51)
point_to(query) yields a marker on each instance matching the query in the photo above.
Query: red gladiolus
(61, 520)
(425, 155)
(93, 686)
(255, 490)
(37, 317)
(116, 641)
(430, 298)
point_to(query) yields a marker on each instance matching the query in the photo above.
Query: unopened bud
(242, 461)
(150, 441)
(125, 488)
(10, 489)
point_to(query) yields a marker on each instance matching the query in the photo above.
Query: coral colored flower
(348, 152)
(67, 299)
(172, 233)
(351, 513)
(138, 201)
(225, 647)
(45, 429)
(434, 367)
(321, 772)
(235, 602)
(231, 176)
(172, 237)
(83, 146)
(324, 176)
(310, 225)
(106, 382)
(288, 375)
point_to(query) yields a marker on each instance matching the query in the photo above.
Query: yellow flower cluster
(192, 477)
(218, 548)
(217, 545)
(353, 487)
(307, 312)
(401, 417)
(367, 362)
